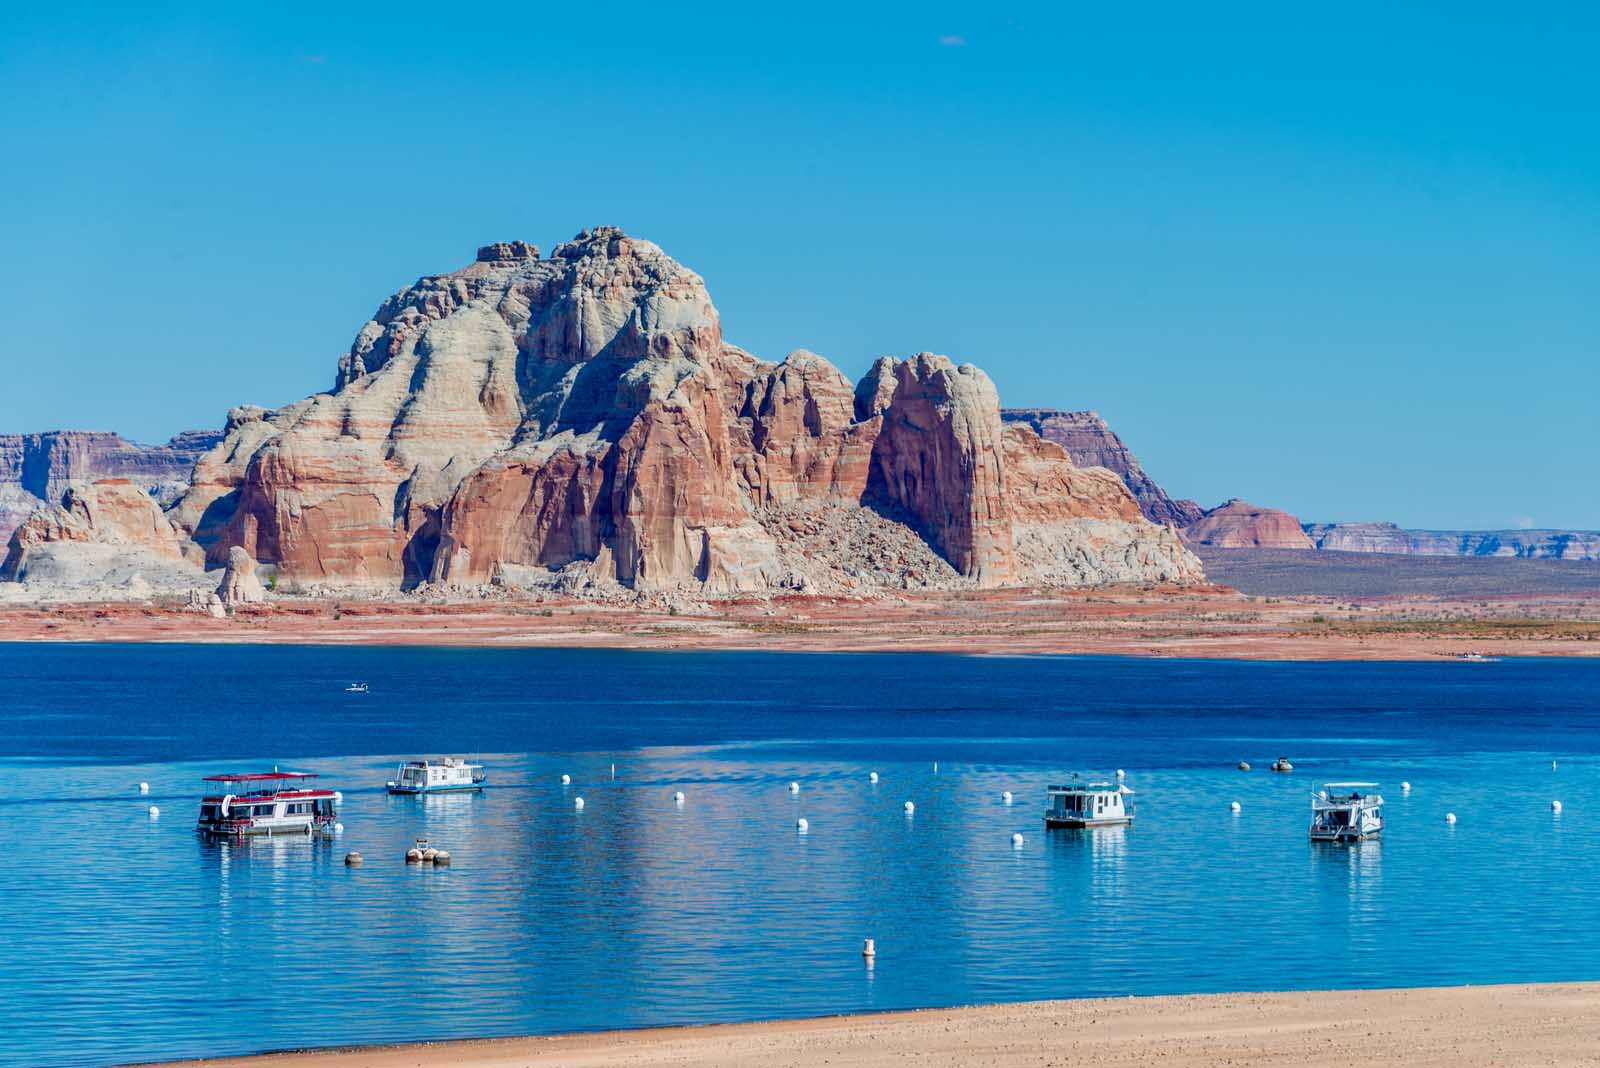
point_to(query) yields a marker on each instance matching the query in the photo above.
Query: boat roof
(261, 776)
(1088, 788)
(1332, 785)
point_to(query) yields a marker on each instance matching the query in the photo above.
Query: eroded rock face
(35, 469)
(1092, 443)
(1239, 524)
(581, 416)
(240, 584)
(938, 455)
(111, 512)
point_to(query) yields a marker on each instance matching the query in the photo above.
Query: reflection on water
(129, 937)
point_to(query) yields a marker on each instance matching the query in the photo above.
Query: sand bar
(1544, 1024)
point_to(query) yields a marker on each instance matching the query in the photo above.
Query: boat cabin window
(210, 812)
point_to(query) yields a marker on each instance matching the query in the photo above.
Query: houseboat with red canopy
(266, 802)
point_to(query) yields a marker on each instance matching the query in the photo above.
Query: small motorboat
(437, 777)
(356, 687)
(1089, 804)
(1282, 764)
(1346, 812)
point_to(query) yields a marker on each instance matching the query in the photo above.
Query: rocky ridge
(1389, 538)
(35, 469)
(1091, 442)
(1238, 524)
(578, 420)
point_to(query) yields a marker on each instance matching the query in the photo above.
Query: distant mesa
(1389, 538)
(1238, 524)
(578, 421)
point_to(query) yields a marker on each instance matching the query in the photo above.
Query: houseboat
(437, 777)
(1346, 812)
(269, 803)
(1089, 804)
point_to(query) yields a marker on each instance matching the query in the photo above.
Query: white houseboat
(1089, 804)
(268, 802)
(437, 777)
(1346, 812)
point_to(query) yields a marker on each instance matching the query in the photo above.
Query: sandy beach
(1545, 1024)
(1162, 622)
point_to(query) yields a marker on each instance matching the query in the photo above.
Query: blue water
(130, 939)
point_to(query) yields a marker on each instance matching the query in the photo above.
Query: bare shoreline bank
(1545, 1024)
(1214, 622)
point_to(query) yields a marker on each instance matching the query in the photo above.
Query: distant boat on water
(1346, 812)
(267, 803)
(437, 777)
(356, 687)
(1089, 804)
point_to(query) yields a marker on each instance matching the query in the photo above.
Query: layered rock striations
(35, 469)
(1389, 538)
(104, 539)
(1092, 443)
(580, 419)
(1238, 524)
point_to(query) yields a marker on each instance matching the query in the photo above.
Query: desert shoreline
(1540, 1023)
(1214, 623)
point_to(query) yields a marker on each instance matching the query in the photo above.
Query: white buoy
(936, 767)
(577, 803)
(868, 949)
(910, 808)
(794, 788)
(1405, 788)
(338, 829)
(1552, 765)
(1449, 817)
(613, 771)
(872, 778)
(155, 813)
(144, 788)
(801, 825)
(1235, 808)
(1555, 806)
(1121, 774)
(1016, 840)
(678, 797)
(353, 860)
(1006, 796)
(566, 780)
(1244, 765)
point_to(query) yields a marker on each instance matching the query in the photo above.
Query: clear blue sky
(1346, 266)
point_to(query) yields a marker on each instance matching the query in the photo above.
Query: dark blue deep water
(129, 939)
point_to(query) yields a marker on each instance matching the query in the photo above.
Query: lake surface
(131, 939)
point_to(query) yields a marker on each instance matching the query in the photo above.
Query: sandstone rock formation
(580, 420)
(1092, 443)
(1237, 524)
(104, 540)
(240, 584)
(939, 455)
(1389, 538)
(36, 468)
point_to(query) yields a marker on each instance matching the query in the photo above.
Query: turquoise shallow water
(131, 939)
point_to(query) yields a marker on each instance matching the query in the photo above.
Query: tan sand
(1451, 1027)
(1169, 622)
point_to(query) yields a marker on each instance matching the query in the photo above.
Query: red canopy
(261, 776)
